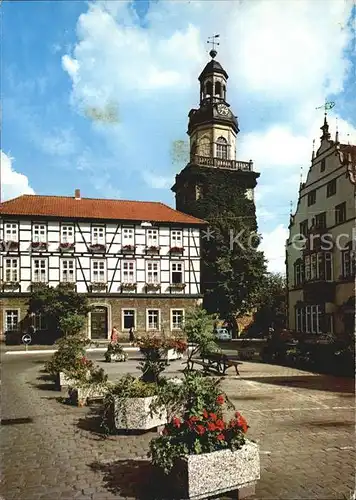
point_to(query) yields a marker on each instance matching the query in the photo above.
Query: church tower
(212, 130)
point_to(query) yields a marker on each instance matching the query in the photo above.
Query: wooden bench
(214, 362)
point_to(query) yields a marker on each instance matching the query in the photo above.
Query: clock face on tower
(223, 110)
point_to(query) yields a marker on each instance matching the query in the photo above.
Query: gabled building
(320, 251)
(138, 262)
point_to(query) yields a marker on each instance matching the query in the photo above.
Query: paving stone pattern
(303, 422)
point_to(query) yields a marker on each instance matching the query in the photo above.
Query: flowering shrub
(71, 349)
(153, 351)
(114, 348)
(196, 432)
(178, 345)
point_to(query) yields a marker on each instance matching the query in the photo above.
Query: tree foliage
(231, 270)
(199, 330)
(271, 302)
(64, 309)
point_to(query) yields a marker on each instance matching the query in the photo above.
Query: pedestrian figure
(131, 335)
(114, 335)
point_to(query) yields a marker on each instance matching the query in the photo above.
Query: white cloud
(13, 183)
(157, 181)
(273, 246)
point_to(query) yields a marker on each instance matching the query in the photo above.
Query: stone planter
(109, 358)
(80, 395)
(172, 354)
(135, 414)
(204, 476)
(62, 380)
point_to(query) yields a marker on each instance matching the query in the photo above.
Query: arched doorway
(99, 323)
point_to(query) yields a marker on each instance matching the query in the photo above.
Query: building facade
(138, 262)
(320, 250)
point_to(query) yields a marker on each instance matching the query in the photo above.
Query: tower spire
(325, 129)
(313, 153)
(337, 133)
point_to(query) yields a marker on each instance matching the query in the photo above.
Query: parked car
(222, 334)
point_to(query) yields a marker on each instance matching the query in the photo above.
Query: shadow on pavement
(16, 421)
(134, 479)
(314, 382)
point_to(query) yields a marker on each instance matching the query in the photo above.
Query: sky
(96, 94)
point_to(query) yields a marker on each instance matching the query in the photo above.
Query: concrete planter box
(135, 414)
(62, 380)
(110, 358)
(81, 395)
(203, 476)
(172, 354)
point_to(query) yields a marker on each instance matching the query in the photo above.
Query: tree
(272, 302)
(232, 265)
(199, 330)
(65, 310)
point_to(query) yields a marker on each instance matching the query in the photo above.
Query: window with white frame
(98, 235)
(128, 271)
(128, 236)
(152, 237)
(67, 233)
(39, 322)
(68, 270)
(11, 270)
(11, 231)
(221, 148)
(128, 319)
(348, 261)
(319, 266)
(176, 238)
(153, 272)
(11, 320)
(298, 272)
(153, 319)
(39, 233)
(39, 270)
(309, 320)
(176, 272)
(177, 319)
(98, 271)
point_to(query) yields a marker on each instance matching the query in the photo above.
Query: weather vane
(327, 105)
(212, 40)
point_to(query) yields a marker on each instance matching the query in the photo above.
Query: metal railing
(208, 161)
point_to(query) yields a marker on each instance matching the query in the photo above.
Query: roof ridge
(82, 198)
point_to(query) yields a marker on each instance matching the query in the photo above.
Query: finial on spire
(337, 132)
(313, 153)
(291, 208)
(212, 40)
(301, 175)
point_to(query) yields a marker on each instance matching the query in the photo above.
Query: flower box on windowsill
(178, 286)
(9, 246)
(97, 248)
(13, 285)
(39, 245)
(39, 284)
(176, 250)
(68, 284)
(153, 250)
(153, 286)
(128, 286)
(65, 247)
(128, 249)
(97, 287)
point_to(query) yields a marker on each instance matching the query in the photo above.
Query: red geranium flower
(200, 429)
(220, 437)
(176, 422)
(220, 399)
(205, 414)
(194, 419)
(220, 424)
(211, 426)
(213, 416)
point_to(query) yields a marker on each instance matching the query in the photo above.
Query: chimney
(77, 194)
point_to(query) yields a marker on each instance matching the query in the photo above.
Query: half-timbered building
(138, 262)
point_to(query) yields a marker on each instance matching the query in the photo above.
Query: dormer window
(221, 148)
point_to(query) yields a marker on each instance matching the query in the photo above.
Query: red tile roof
(91, 208)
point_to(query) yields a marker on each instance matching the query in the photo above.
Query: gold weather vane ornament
(213, 42)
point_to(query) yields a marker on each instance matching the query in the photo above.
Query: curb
(51, 351)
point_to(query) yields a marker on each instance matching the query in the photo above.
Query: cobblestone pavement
(303, 422)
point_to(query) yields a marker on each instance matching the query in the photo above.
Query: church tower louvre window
(215, 182)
